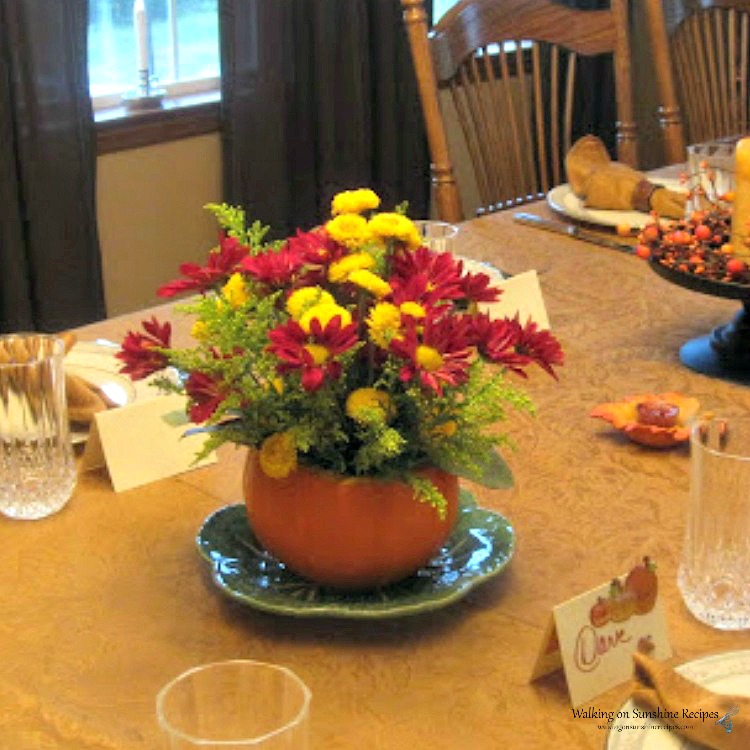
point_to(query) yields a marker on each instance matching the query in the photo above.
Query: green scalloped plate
(480, 547)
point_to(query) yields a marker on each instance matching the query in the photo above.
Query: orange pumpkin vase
(350, 533)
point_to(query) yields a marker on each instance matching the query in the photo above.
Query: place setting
(618, 632)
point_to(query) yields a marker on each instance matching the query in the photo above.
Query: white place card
(142, 442)
(521, 294)
(593, 636)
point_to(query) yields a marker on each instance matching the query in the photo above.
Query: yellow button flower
(384, 323)
(371, 282)
(303, 299)
(354, 202)
(278, 455)
(348, 229)
(368, 404)
(325, 313)
(340, 270)
(385, 226)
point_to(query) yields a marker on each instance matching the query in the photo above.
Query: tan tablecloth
(107, 600)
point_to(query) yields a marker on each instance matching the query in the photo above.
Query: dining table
(108, 600)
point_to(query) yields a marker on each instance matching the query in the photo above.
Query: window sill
(120, 128)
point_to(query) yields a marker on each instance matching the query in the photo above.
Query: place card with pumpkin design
(592, 637)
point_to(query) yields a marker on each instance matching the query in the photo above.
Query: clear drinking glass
(235, 705)
(37, 470)
(437, 235)
(714, 575)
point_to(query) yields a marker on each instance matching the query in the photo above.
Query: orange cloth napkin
(84, 399)
(602, 183)
(658, 687)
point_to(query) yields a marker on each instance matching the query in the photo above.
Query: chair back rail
(701, 62)
(510, 71)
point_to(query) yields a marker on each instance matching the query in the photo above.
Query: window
(440, 8)
(183, 47)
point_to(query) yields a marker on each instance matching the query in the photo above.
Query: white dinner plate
(481, 266)
(96, 363)
(723, 673)
(563, 200)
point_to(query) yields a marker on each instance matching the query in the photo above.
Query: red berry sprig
(697, 245)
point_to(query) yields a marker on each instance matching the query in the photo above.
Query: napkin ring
(642, 195)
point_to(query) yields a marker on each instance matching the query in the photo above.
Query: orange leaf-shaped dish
(656, 420)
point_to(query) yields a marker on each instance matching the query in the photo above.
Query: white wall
(149, 207)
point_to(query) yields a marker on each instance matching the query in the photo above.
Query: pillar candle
(741, 207)
(140, 21)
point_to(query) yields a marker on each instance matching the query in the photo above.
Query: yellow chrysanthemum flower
(385, 226)
(303, 299)
(348, 229)
(324, 313)
(371, 282)
(365, 403)
(199, 331)
(354, 202)
(413, 308)
(340, 270)
(384, 323)
(428, 358)
(235, 291)
(278, 455)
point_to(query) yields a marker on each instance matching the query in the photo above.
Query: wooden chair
(701, 58)
(514, 101)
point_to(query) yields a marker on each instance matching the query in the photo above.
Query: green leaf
(176, 418)
(491, 471)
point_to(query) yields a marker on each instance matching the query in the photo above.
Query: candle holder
(146, 96)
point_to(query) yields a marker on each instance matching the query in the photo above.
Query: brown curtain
(318, 97)
(50, 276)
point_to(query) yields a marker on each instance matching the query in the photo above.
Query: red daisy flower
(318, 250)
(140, 353)
(476, 288)
(206, 394)
(415, 289)
(442, 271)
(509, 343)
(540, 347)
(274, 267)
(316, 247)
(222, 263)
(312, 353)
(438, 354)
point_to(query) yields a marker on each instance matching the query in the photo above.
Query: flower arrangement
(352, 348)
